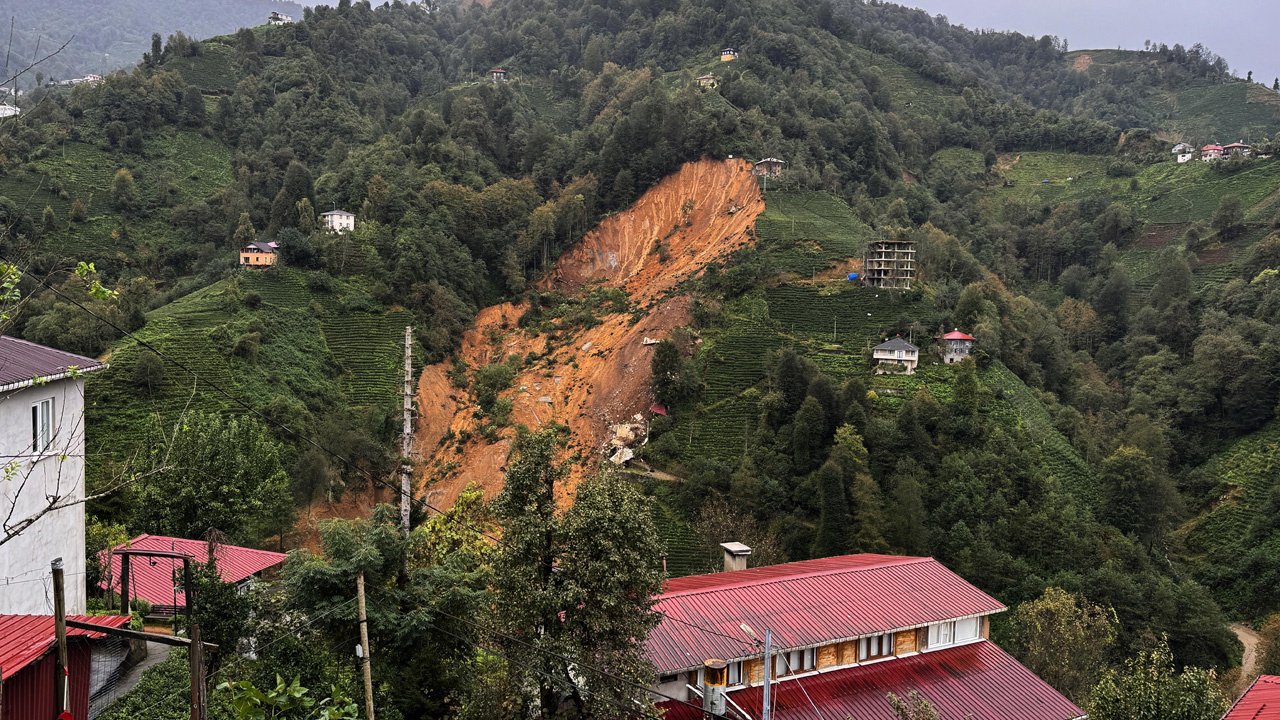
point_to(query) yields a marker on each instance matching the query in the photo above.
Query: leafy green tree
(124, 192)
(222, 611)
(148, 372)
(244, 233)
(1146, 687)
(913, 707)
(193, 110)
(835, 523)
(297, 186)
(306, 217)
(579, 584)
(1139, 497)
(1228, 218)
(218, 473)
(286, 700)
(1064, 639)
(808, 434)
(77, 212)
(49, 221)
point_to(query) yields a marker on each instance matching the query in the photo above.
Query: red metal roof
(24, 638)
(804, 604)
(957, 335)
(21, 361)
(978, 680)
(1212, 147)
(1260, 702)
(155, 582)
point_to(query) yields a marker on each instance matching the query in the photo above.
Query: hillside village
(554, 361)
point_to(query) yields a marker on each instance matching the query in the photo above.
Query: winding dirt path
(1250, 638)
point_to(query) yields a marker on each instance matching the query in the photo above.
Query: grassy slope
(1246, 470)
(315, 351)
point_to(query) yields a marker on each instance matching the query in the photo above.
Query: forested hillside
(543, 231)
(105, 35)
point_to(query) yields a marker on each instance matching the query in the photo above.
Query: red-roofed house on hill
(1260, 702)
(27, 644)
(155, 583)
(848, 631)
(41, 502)
(1209, 153)
(956, 346)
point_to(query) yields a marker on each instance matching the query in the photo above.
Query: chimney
(735, 556)
(715, 679)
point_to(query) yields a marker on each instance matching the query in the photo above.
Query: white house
(896, 352)
(7, 110)
(956, 346)
(279, 18)
(339, 220)
(42, 444)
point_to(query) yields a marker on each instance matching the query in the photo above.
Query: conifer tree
(284, 210)
(907, 532)
(835, 522)
(245, 233)
(808, 434)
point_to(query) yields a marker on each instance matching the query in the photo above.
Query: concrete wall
(29, 479)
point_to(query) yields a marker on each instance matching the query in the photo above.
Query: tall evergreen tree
(297, 186)
(835, 522)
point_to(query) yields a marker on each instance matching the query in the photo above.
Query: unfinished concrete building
(890, 264)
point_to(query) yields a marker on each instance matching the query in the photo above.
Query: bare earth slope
(598, 376)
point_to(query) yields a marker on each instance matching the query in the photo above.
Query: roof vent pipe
(715, 679)
(735, 556)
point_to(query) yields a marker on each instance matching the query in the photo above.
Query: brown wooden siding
(904, 642)
(828, 656)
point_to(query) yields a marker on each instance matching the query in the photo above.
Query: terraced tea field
(850, 315)
(1246, 472)
(806, 232)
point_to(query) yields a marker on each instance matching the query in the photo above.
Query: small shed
(768, 167)
(728, 54)
(27, 660)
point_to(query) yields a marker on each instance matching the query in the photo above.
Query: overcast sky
(1239, 30)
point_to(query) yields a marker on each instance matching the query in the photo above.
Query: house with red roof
(42, 440)
(1209, 153)
(956, 346)
(1260, 702)
(159, 581)
(1234, 147)
(27, 659)
(845, 632)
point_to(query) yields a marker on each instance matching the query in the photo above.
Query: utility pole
(765, 712)
(364, 646)
(195, 657)
(406, 441)
(60, 630)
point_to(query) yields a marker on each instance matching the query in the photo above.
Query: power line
(448, 515)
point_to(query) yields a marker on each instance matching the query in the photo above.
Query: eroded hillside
(586, 375)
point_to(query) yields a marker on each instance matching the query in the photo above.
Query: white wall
(25, 578)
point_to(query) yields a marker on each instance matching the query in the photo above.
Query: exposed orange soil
(1083, 62)
(598, 376)
(355, 503)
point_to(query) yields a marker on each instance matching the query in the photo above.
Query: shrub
(1122, 168)
(247, 346)
(252, 300)
(148, 372)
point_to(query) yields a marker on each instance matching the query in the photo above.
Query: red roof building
(956, 346)
(1260, 702)
(848, 630)
(27, 662)
(22, 362)
(155, 582)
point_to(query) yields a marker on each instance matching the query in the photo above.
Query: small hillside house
(845, 632)
(7, 110)
(956, 346)
(28, 646)
(499, 75)
(258, 254)
(42, 437)
(728, 54)
(768, 167)
(896, 352)
(1182, 148)
(1236, 147)
(1260, 702)
(155, 581)
(707, 81)
(1209, 153)
(339, 220)
(279, 18)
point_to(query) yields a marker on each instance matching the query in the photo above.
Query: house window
(41, 425)
(942, 634)
(663, 680)
(735, 673)
(899, 353)
(875, 647)
(966, 629)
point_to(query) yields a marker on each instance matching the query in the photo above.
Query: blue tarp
(853, 276)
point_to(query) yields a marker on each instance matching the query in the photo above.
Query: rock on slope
(598, 376)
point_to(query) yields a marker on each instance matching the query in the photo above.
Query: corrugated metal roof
(978, 680)
(805, 603)
(21, 361)
(1260, 702)
(24, 638)
(896, 344)
(154, 583)
(957, 335)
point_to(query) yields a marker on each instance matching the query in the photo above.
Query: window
(663, 680)
(966, 629)
(899, 353)
(735, 673)
(875, 647)
(41, 425)
(942, 634)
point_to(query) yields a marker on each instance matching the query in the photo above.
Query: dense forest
(1106, 442)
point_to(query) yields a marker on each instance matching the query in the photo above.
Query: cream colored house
(896, 352)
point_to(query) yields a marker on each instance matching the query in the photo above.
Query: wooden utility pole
(364, 646)
(60, 630)
(195, 656)
(124, 584)
(406, 441)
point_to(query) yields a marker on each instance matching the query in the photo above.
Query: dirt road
(1249, 637)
